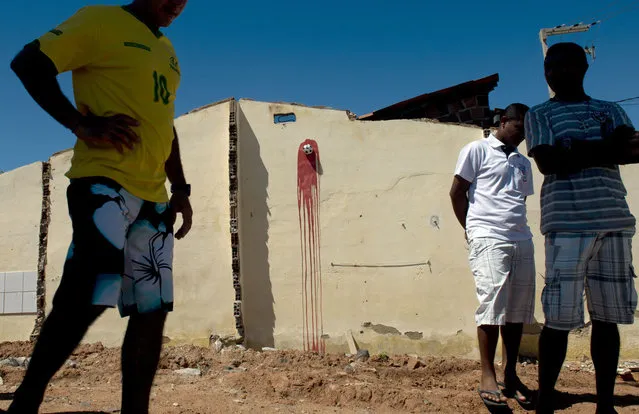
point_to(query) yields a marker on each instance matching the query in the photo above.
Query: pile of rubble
(625, 369)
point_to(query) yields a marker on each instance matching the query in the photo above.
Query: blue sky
(357, 55)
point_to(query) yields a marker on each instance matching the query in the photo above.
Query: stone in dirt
(189, 371)
(631, 365)
(414, 363)
(280, 383)
(15, 362)
(626, 374)
(9, 362)
(362, 355)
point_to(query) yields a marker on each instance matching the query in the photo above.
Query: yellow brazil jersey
(120, 66)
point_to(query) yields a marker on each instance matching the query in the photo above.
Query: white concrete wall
(202, 264)
(20, 208)
(203, 276)
(630, 334)
(382, 184)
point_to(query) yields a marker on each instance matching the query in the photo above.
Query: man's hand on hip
(180, 204)
(107, 131)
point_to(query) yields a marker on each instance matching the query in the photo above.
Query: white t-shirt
(498, 190)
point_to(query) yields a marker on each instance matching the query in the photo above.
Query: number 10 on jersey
(161, 90)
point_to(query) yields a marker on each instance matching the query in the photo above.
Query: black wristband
(185, 188)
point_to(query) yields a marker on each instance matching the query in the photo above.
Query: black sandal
(528, 403)
(490, 402)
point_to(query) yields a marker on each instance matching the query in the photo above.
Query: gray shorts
(505, 280)
(597, 266)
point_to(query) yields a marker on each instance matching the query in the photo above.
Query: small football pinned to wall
(308, 149)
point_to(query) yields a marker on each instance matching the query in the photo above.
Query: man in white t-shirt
(492, 181)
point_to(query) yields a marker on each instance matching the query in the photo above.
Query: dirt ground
(237, 380)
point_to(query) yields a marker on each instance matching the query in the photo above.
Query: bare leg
(604, 348)
(61, 333)
(504, 353)
(511, 334)
(488, 336)
(140, 357)
(553, 345)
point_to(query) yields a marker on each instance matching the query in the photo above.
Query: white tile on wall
(13, 303)
(13, 282)
(30, 282)
(18, 293)
(29, 302)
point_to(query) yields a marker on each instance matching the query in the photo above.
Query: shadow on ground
(8, 396)
(565, 400)
(499, 410)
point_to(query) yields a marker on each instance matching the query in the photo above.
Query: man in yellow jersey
(125, 78)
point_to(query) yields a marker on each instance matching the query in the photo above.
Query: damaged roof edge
(489, 81)
(55, 154)
(425, 120)
(350, 114)
(201, 108)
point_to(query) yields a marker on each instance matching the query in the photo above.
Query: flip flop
(490, 402)
(528, 403)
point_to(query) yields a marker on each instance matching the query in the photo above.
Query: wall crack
(234, 228)
(45, 219)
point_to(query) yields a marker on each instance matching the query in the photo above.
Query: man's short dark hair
(570, 50)
(515, 111)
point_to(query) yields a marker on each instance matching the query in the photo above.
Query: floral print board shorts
(121, 253)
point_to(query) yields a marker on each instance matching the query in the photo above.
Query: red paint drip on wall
(308, 190)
